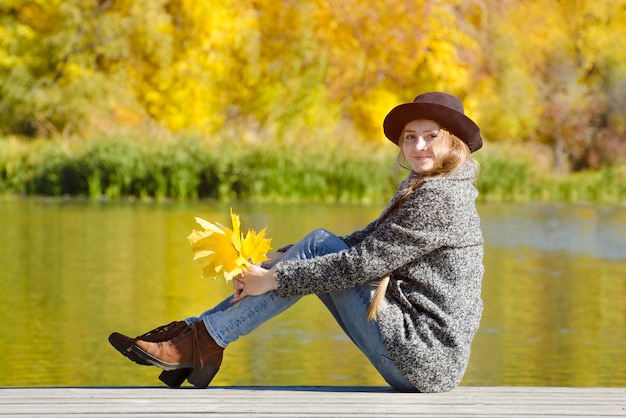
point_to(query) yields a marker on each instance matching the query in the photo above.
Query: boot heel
(201, 378)
(174, 378)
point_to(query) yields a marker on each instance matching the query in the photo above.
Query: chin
(423, 168)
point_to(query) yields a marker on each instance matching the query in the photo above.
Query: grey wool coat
(433, 248)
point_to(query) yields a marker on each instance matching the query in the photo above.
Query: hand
(253, 282)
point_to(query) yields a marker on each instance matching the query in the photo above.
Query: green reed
(515, 180)
(191, 168)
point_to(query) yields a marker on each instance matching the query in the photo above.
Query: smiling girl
(405, 288)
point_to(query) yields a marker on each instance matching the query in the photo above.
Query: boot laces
(158, 329)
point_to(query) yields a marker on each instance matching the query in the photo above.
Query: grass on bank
(329, 172)
(192, 169)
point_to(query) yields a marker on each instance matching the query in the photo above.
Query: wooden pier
(304, 401)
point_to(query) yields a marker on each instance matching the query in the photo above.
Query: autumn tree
(382, 53)
(554, 77)
(528, 71)
(47, 56)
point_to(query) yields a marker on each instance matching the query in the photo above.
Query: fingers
(251, 282)
(239, 286)
(237, 296)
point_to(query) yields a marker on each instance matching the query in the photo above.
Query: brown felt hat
(443, 108)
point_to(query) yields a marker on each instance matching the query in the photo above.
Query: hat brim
(455, 122)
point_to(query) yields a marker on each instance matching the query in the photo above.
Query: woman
(405, 289)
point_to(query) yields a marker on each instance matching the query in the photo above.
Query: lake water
(73, 271)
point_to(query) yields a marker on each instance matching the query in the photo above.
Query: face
(418, 137)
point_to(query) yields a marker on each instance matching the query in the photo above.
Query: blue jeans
(226, 322)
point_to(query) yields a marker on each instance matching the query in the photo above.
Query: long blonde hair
(449, 153)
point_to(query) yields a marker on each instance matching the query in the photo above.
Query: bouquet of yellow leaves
(226, 251)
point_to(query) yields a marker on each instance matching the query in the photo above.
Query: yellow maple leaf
(221, 250)
(255, 246)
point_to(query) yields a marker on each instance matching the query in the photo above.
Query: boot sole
(172, 378)
(200, 378)
(156, 362)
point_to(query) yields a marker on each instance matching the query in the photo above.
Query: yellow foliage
(265, 69)
(221, 250)
(372, 108)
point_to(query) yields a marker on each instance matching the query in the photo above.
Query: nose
(420, 144)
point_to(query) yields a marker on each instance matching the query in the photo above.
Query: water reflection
(554, 312)
(71, 272)
(598, 232)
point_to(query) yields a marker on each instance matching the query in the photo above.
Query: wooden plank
(235, 402)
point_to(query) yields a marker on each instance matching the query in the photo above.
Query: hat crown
(441, 99)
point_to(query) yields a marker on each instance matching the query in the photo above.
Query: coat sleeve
(419, 226)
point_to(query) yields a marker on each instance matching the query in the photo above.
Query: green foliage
(116, 168)
(191, 168)
(111, 167)
(13, 154)
(608, 185)
(502, 179)
(52, 171)
(505, 179)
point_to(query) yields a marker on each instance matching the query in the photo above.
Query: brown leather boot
(122, 343)
(193, 349)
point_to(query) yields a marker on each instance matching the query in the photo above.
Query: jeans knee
(321, 241)
(320, 234)
(325, 240)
